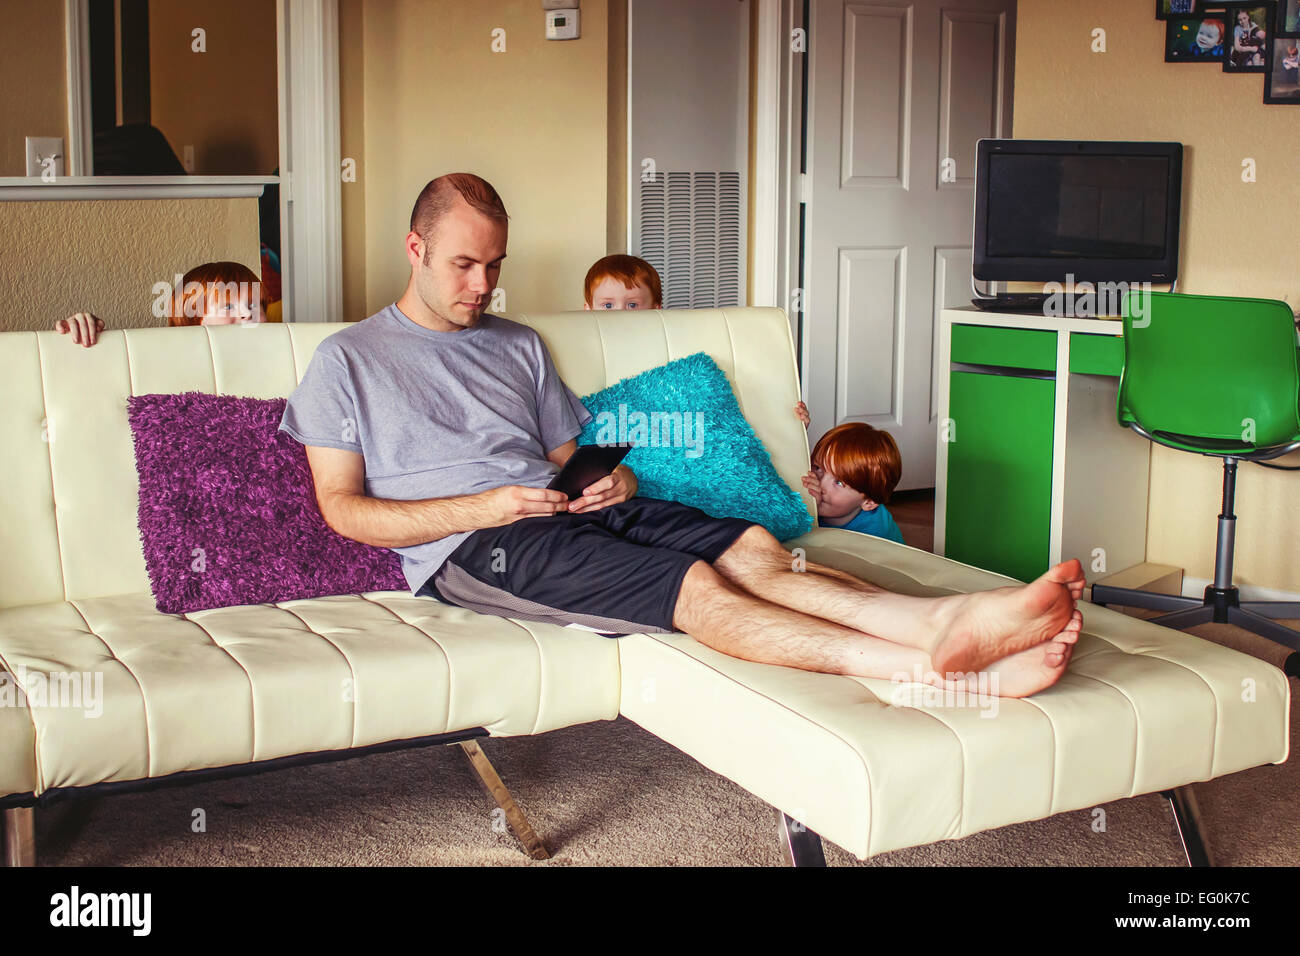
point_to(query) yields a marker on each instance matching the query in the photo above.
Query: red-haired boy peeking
(855, 469)
(622, 282)
(628, 282)
(214, 293)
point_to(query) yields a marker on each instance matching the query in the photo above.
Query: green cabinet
(999, 479)
(1033, 468)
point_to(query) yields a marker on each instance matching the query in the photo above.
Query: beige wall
(223, 102)
(1064, 91)
(616, 226)
(352, 145)
(105, 256)
(533, 121)
(32, 65)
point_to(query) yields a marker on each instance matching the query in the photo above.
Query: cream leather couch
(247, 688)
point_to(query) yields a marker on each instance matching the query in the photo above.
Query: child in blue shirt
(855, 469)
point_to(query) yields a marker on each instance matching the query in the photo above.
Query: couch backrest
(68, 484)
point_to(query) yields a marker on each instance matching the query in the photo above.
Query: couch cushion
(1142, 708)
(709, 457)
(753, 346)
(228, 511)
(239, 684)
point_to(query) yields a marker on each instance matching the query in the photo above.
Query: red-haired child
(628, 282)
(214, 293)
(622, 282)
(855, 469)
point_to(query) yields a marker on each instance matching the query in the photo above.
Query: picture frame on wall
(1287, 22)
(1247, 38)
(1174, 8)
(1197, 39)
(1282, 71)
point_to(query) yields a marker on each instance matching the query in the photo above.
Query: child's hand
(801, 410)
(814, 486)
(83, 327)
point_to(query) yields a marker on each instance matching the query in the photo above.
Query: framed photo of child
(1288, 19)
(1247, 39)
(1282, 71)
(1198, 39)
(1176, 8)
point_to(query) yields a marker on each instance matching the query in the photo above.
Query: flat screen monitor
(1097, 211)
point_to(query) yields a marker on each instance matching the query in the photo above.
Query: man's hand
(509, 503)
(812, 483)
(340, 480)
(618, 486)
(83, 327)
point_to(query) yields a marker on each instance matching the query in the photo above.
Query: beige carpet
(601, 793)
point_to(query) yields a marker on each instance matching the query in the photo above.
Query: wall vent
(690, 231)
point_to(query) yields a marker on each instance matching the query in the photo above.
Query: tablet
(586, 466)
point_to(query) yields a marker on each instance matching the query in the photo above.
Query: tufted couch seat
(245, 689)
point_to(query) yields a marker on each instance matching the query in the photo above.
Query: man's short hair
(628, 270)
(439, 195)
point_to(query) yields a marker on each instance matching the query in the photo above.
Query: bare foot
(1026, 672)
(988, 626)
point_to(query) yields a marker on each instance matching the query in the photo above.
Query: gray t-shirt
(436, 414)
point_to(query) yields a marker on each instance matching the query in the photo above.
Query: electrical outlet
(187, 158)
(45, 156)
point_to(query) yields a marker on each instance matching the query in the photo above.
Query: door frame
(779, 95)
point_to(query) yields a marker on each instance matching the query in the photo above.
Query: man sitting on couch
(433, 428)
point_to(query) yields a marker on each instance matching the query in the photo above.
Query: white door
(894, 91)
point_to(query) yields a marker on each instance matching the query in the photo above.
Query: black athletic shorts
(616, 570)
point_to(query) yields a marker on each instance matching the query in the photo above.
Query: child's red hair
(628, 270)
(185, 309)
(864, 458)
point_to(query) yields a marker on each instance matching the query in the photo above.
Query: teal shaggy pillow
(692, 444)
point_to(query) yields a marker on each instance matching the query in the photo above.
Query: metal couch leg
(799, 845)
(487, 774)
(20, 836)
(1187, 817)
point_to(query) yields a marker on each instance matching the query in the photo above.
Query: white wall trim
(77, 149)
(790, 182)
(310, 178)
(27, 188)
(767, 154)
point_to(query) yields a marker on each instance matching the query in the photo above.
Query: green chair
(1215, 376)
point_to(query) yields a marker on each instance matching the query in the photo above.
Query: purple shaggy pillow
(228, 512)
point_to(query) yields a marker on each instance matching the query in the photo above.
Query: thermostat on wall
(562, 24)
